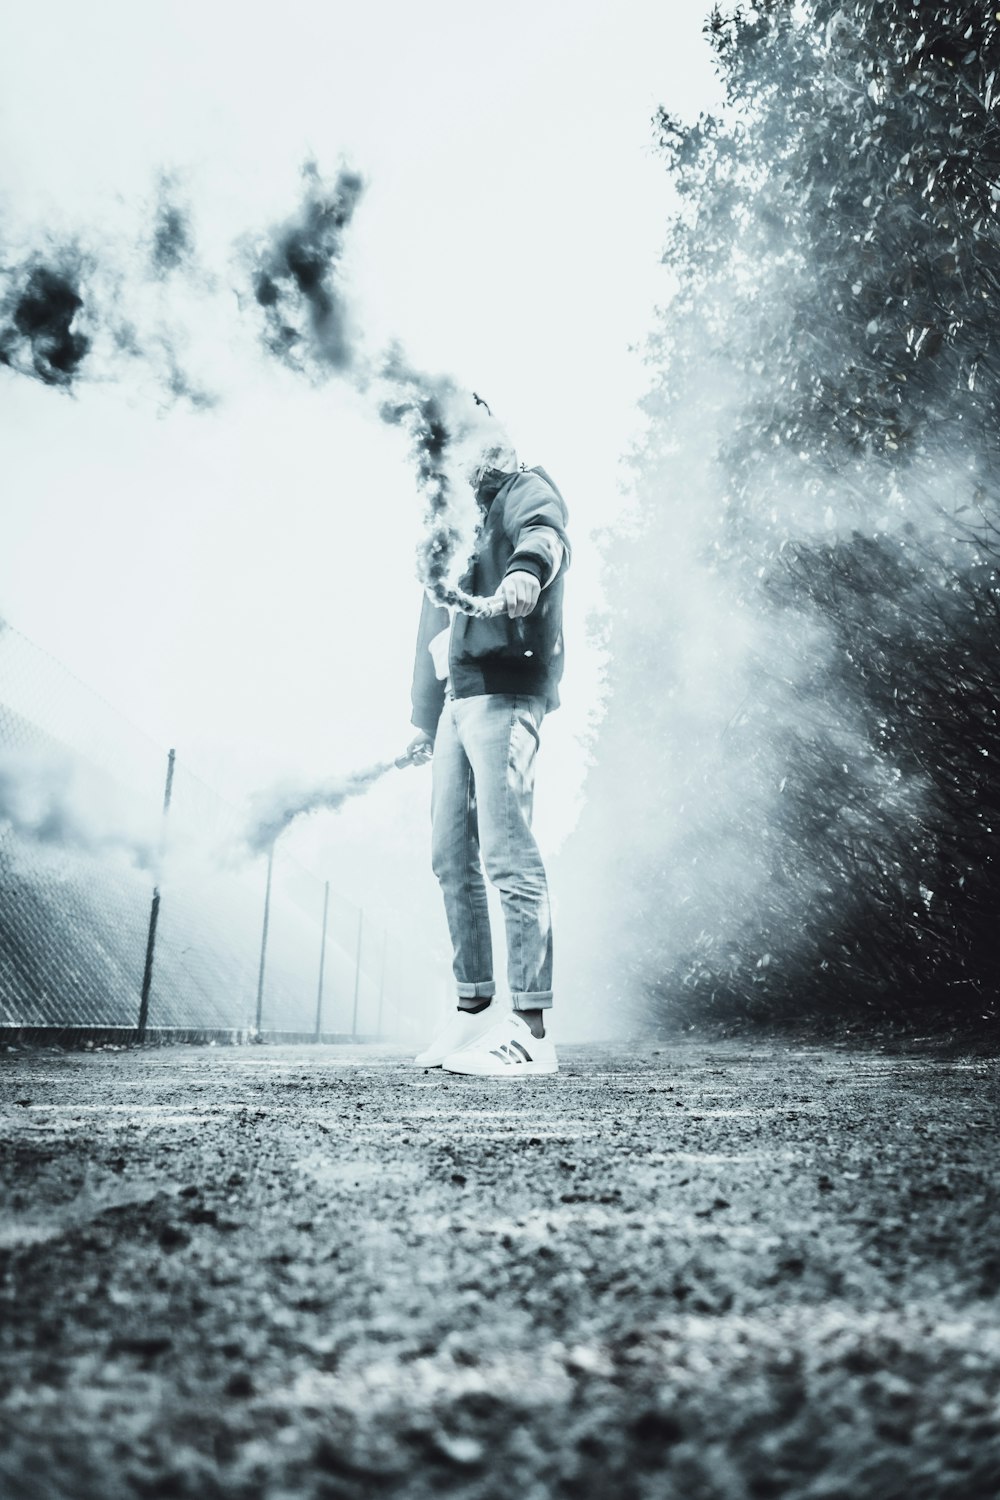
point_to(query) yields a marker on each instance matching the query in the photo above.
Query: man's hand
(517, 595)
(419, 750)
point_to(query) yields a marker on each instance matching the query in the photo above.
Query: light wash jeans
(483, 781)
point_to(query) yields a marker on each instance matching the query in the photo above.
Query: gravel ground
(694, 1269)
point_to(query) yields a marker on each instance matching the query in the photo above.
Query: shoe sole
(421, 1063)
(420, 1059)
(515, 1070)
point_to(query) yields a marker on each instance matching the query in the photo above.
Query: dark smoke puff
(295, 278)
(37, 333)
(69, 314)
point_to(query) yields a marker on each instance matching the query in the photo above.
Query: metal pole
(154, 910)
(322, 956)
(381, 984)
(357, 978)
(263, 940)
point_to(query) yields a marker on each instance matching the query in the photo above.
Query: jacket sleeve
(535, 520)
(427, 694)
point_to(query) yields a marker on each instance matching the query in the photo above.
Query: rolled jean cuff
(533, 1000)
(484, 990)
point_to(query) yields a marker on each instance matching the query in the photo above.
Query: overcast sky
(240, 582)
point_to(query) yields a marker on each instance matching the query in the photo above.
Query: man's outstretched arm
(535, 521)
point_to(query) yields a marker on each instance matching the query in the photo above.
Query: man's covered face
(497, 458)
(479, 442)
(479, 473)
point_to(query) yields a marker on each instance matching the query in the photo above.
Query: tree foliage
(797, 783)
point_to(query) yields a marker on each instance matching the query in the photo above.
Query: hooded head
(486, 448)
(496, 461)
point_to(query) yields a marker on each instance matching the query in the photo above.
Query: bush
(796, 792)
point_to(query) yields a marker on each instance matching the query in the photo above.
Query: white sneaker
(460, 1030)
(508, 1049)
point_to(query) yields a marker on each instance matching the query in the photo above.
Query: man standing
(481, 688)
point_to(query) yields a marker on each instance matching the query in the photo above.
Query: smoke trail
(295, 278)
(295, 274)
(276, 809)
(448, 433)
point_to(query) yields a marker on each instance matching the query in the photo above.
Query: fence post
(263, 941)
(322, 957)
(357, 978)
(381, 983)
(154, 910)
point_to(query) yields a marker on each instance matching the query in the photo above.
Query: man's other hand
(518, 594)
(420, 748)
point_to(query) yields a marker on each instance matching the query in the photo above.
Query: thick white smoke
(697, 865)
(52, 798)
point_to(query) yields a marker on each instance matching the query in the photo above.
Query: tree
(796, 793)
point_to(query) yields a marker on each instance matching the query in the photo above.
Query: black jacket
(501, 655)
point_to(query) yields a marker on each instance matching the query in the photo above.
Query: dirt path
(705, 1270)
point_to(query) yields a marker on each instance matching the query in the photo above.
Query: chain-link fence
(115, 914)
